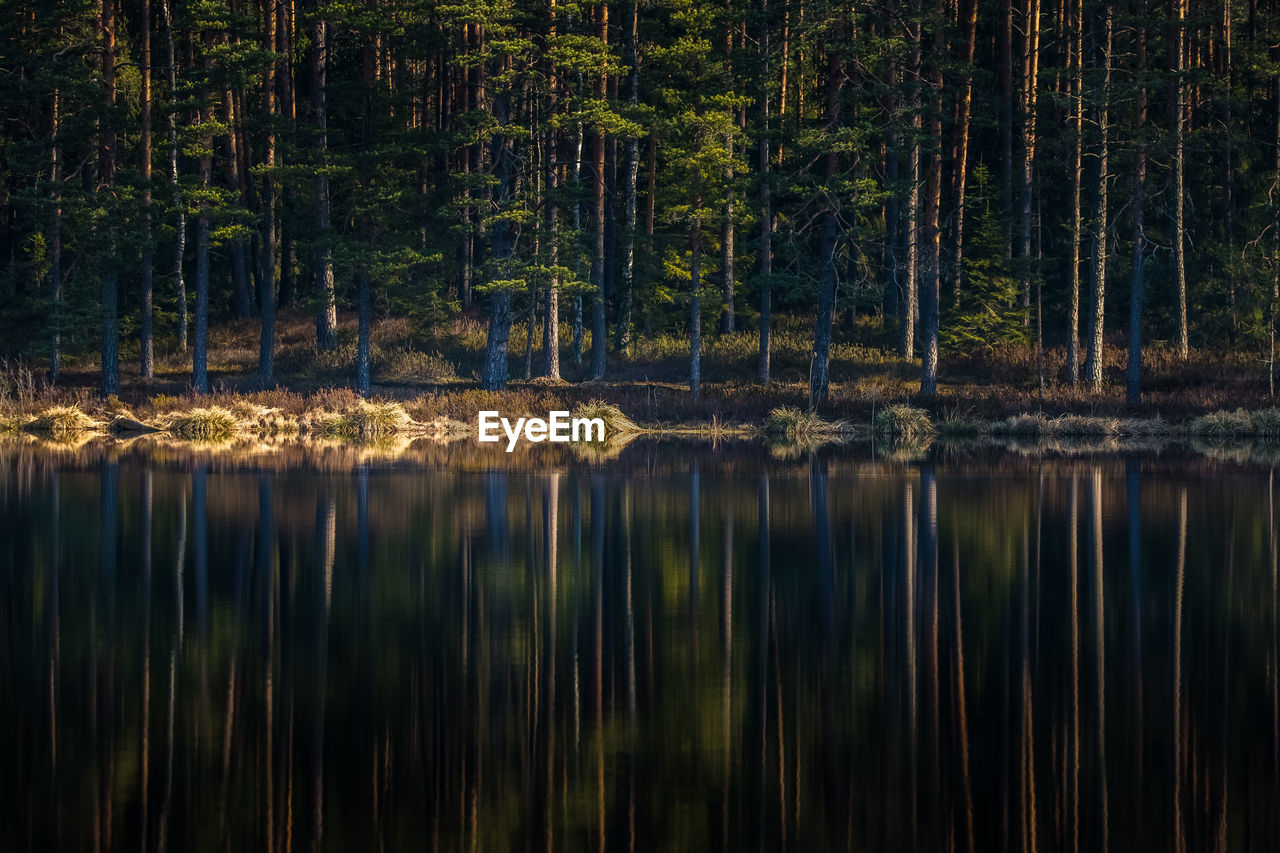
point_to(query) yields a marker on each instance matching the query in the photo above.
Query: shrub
(904, 422)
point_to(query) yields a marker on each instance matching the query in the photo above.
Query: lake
(683, 646)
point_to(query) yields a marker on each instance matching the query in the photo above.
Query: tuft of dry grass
(212, 423)
(367, 421)
(61, 421)
(616, 424)
(1222, 424)
(795, 424)
(904, 422)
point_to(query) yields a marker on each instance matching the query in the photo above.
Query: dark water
(683, 648)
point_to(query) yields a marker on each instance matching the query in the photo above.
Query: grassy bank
(427, 386)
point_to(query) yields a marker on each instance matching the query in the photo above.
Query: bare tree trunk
(633, 173)
(1095, 356)
(239, 252)
(599, 338)
(695, 303)
(819, 371)
(267, 286)
(502, 244)
(200, 351)
(931, 272)
(766, 205)
(727, 222)
(1179, 47)
(1077, 181)
(1031, 67)
(577, 231)
(327, 312)
(961, 165)
(1133, 389)
(551, 322)
(107, 175)
(55, 239)
(364, 321)
(147, 360)
(179, 203)
(910, 306)
(1275, 232)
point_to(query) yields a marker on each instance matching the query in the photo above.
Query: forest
(938, 177)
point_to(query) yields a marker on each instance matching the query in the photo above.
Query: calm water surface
(683, 648)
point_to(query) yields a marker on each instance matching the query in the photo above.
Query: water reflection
(681, 648)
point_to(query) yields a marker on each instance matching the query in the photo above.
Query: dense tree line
(972, 171)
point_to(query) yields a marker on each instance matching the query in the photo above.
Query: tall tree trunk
(1133, 388)
(1275, 241)
(200, 351)
(110, 274)
(327, 311)
(766, 204)
(1031, 69)
(502, 243)
(147, 359)
(551, 321)
(577, 231)
(633, 174)
(179, 203)
(1178, 46)
(909, 307)
(931, 256)
(364, 320)
(820, 369)
(599, 340)
(267, 286)
(960, 168)
(727, 221)
(240, 277)
(55, 239)
(1077, 181)
(1095, 356)
(695, 303)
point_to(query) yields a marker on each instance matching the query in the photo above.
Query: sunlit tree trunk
(820, 369)
(968, 10)
(179, 204)
(109, 272)
(1178, 47)
(551, 215)
(502, 243)
(147, 355)
(599, 339)
(327, 311)
(931, 248)
(1133, 387)
(200, 350)
(1095, 357)
(267, 280)
(55, 239)
(1076, 49)
(633, 172)
(766, 204)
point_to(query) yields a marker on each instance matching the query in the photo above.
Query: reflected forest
(698, 651)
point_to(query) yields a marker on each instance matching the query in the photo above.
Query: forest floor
(434, 377)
